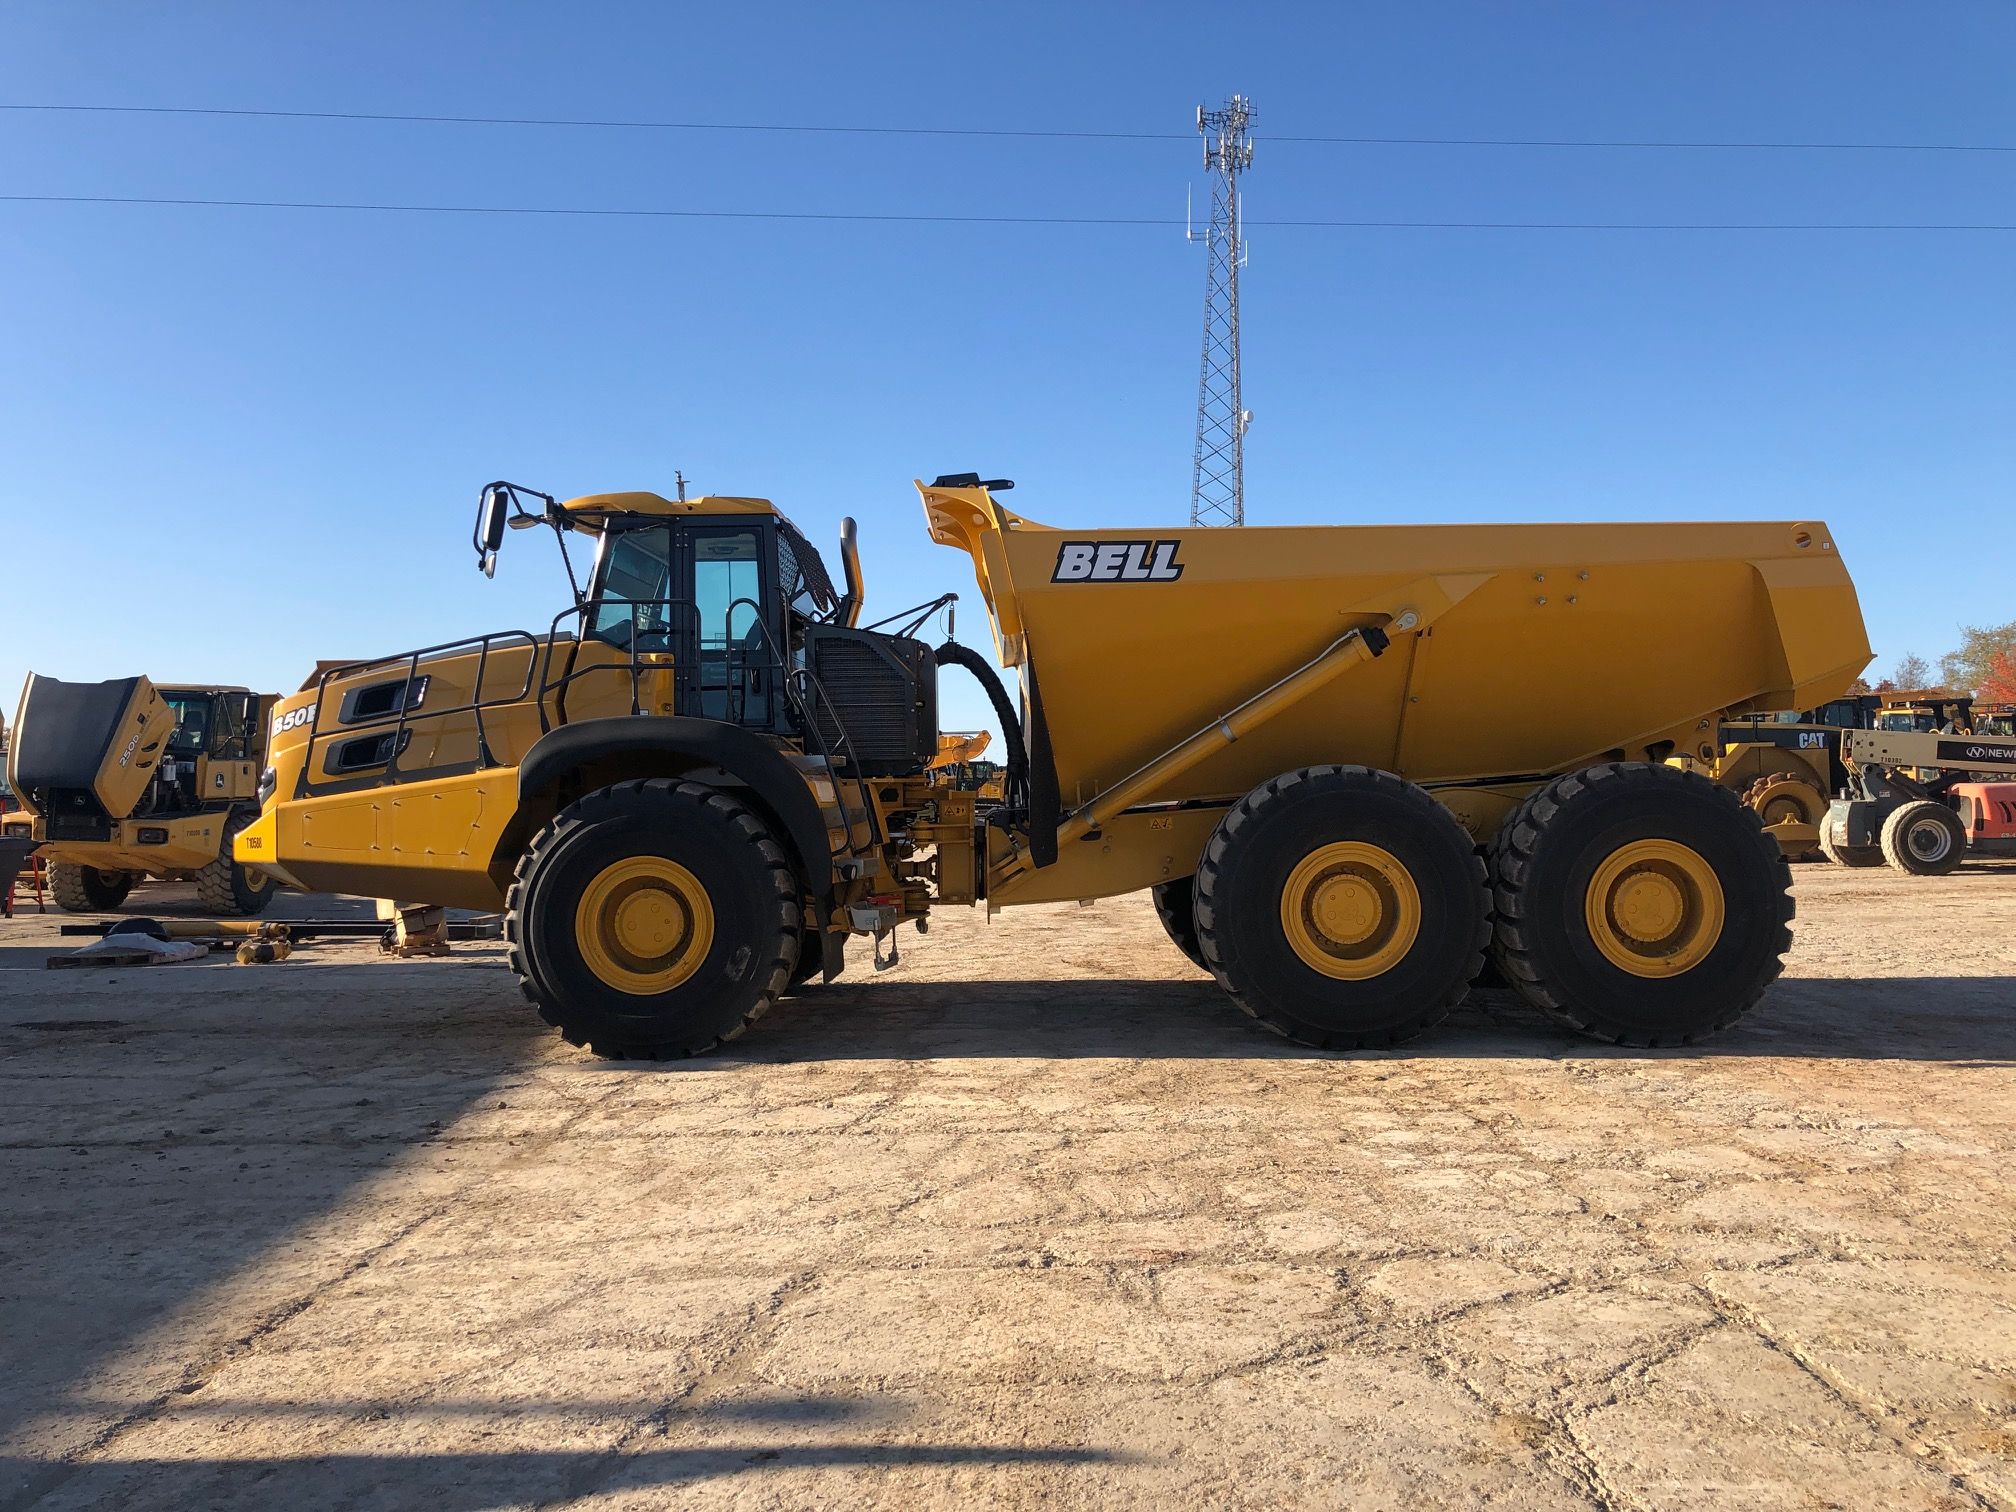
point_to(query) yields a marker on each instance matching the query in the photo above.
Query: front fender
(748, 758)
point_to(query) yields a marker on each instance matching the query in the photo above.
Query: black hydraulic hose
(956, 655)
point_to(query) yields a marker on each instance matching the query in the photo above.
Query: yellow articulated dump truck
(122, 780)
(1349, 761)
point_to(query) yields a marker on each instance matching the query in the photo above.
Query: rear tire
(1925, 839)
(1176, 907)
(227, 886)
(1639, 903)
(86, 889)
(1342, 907)
(653, 919)
(1851, 856)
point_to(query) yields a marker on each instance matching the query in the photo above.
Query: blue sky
(232, 441)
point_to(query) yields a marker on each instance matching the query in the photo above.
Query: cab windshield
(635, 567)
(191, 736)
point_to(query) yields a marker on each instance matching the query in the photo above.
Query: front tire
(1925, 839)
(653, 919)
(1640, 904)
(1342, 907)
(86, 889)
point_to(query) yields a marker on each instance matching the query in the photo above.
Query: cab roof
(657, 504)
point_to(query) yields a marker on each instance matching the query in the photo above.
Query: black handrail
(803, 691)
(791, 680)
(405, 716)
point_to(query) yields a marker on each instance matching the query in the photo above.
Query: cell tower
(1218, 472)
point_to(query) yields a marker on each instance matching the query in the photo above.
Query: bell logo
(1117, 562)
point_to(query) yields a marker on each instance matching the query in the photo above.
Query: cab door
(735, 671)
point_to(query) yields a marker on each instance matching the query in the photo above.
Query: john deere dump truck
(122, 780)
(1349, 761)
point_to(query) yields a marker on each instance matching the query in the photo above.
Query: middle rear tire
(1342, 907)
(1176, 907)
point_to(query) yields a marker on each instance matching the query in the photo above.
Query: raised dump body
(1537, 648)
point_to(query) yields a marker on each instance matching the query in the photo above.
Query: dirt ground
(1037, 1217)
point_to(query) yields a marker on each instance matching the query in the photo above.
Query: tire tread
(1512, 857)
(1251, 810)
(775, 976)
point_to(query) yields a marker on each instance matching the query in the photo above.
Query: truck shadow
(167, 1127)
(1966, 1020)
(478, 1482)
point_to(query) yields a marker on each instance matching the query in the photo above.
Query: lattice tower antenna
(1218, 470)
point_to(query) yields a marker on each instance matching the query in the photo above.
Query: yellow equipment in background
(1348, 760)
(1786, 767)
(121, 781)
(958, 764)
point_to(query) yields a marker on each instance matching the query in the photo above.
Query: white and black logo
(1979, 752)
(1117, 562)
(294, 719)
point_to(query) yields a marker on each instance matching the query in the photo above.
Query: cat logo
(1117, 562)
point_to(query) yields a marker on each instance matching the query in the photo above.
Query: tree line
(1984, 664)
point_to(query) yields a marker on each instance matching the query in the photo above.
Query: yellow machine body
(435, 840)
(447, 839)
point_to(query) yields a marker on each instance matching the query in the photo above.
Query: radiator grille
(882, 690)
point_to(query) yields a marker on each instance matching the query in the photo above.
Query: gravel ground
(1036, 1217)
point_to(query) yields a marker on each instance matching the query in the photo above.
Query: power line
(607, 125)
(1002, 131)
(900, 218)
(1732, 146)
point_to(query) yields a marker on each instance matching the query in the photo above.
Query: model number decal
(1117, 562)
(293, 719)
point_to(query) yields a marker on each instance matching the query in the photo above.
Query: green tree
(1911, 671)
(1981, 646)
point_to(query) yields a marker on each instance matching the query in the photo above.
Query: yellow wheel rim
(1350, 910)
(644, 925)
(255, 879)
(1654, 908)
(1791, 801)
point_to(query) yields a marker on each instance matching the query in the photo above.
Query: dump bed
(1515, 651)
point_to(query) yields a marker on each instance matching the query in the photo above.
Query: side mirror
(490, 528)
(492, 515)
